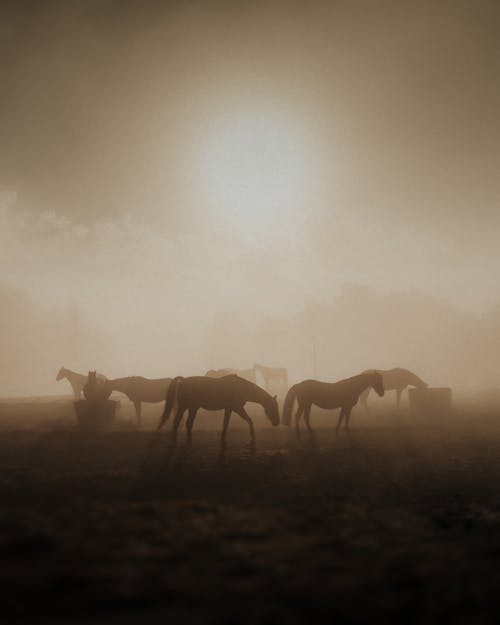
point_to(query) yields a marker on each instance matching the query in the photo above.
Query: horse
(272, 375)
(77, 380)
(394, 380)
(229, 393)
(247, 374)
(95, 389)
(139, 390)
(343, 394)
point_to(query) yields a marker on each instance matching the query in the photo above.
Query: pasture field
(400, 521)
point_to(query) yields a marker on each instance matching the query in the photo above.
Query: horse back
(212, 393)
(138, 388)
(329, 395)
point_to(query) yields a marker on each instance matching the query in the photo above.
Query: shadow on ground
(401, 524)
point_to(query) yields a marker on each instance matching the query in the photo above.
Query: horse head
(61, 374)
(96, 389)
(377, 383)
(272, 411)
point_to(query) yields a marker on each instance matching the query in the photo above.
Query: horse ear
(275, 397)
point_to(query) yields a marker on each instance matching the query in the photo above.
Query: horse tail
(288, 405)
(169, 400)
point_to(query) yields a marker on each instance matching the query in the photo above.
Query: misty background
(122, 250)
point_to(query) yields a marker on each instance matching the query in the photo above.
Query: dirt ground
(400, 521)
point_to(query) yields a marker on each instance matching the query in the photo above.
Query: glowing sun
(255, 166)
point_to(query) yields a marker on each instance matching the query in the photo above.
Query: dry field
(398, 521)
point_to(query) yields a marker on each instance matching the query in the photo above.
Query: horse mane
(362, 375)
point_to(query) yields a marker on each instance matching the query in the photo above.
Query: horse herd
(230, 389)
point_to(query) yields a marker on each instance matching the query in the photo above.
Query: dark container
(430, 401)
(95, 414)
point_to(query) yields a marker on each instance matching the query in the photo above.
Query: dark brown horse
(343, 395)
(229, 393)
(95, 389)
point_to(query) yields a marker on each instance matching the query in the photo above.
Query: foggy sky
(98, 98)
(104, 112)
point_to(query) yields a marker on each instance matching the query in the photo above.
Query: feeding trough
(96, 414)
(430, 401)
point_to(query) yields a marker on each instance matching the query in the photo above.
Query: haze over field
(211, 184)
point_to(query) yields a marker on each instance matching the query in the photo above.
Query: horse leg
(190, 421)
(341, 416)
(307, 414)
(177, 420)
(399, 391)
(243, 414)
(364, 398)
(298, 414)
(347, 416)
(227, 415)
(138, 411)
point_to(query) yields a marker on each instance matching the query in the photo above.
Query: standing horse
(139, 390)
(272, 375)
(229, 393)
(247, 374)
(343, 395)
(95, 388)
(394, 380)
(77, 380)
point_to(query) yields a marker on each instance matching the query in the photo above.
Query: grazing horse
(229, 393)
(140, 390)
(343, 395)
(272, 376)
(77, 380)
(394, 380)
(247, 374)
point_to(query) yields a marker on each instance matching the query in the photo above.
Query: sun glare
(255, 167)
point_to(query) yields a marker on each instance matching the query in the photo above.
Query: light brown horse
(139, 390)
(343, 395)
(229, 393)
(394, 380)
(273, 376)
(77, 380)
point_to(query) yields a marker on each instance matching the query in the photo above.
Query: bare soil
(400, 522)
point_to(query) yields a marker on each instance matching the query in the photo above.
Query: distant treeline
(360, 329)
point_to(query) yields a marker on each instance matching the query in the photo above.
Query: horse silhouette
(272, 375)
(343, 394)
(247, 374)
(394, 380)
(229, 393)
(95, 389)
(77, 380)
(139, 389)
